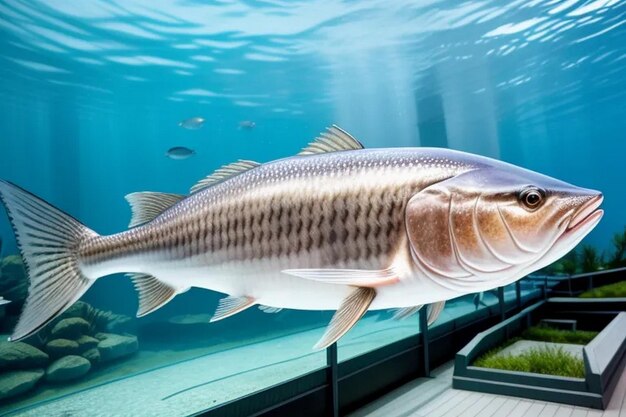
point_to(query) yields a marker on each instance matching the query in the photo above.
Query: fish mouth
(586, 215)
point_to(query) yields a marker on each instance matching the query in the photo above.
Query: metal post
(501, 302)
(331, 361)
(569, 285)
(502, 309)
(518, 294)
(425, 342)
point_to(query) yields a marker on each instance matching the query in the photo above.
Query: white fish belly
(271, 287)
(264, 281)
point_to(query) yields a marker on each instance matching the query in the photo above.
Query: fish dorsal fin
(224, 172)
(332, 140)
(153, 293)
(434, 311)
(350, 311)
(147, 205)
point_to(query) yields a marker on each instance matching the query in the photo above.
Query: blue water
(91, 94)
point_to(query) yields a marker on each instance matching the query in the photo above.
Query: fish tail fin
(49, 240)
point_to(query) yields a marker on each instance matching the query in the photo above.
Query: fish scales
(283, 210)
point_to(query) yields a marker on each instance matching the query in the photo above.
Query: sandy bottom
(194, 380)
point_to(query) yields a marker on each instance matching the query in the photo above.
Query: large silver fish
(336, 227)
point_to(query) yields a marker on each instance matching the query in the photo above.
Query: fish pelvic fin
(404, 313)
(354, 277)
(230, 306)
(350, 311)
(49, 241)
(434, 311)
(153, 294)
(147, 205)
(270, 310)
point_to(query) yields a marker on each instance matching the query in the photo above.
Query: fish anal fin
(350, 311)
(153, 294)
(147, 205)
(334, 139)
(223, 173)
(434, 311)
(354, 277)
(230, 305)
(403, 313)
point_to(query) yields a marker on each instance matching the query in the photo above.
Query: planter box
(604, 356)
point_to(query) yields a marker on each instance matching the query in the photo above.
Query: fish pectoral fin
(270, 310)
(223, 173)
(153, 294)
(334, 139)
(403, 313)
(355, 277)
(230, 305)
(147, 205)
(434, 311)
(351, 310)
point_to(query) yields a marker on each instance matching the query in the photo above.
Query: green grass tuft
(541, 360)
(549, 334)
(607, 291)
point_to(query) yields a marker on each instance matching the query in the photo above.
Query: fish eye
(531, 197)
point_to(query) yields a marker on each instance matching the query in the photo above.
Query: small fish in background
(247, 125)
(193, 123)
(179, 152)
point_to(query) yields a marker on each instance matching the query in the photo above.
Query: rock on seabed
(62, 347)
(19, 355)
(114, 346)
(70, 328)
(18, 382)
(67, 368)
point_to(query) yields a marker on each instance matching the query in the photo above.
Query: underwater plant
(617, 289)
(590, 261)
(617, 259)
(570, 263)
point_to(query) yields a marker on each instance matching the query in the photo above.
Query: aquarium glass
(102, 98)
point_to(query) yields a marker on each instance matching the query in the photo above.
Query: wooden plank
(406, 398)
(564, 411)
(458, 403)
(549, 410)
(521, 408)
(579, 412)
(535, 409)
(477, 408)
(507, 408)
(493, 406)
(447, 399)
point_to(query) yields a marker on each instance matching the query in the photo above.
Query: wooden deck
(435, 397)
